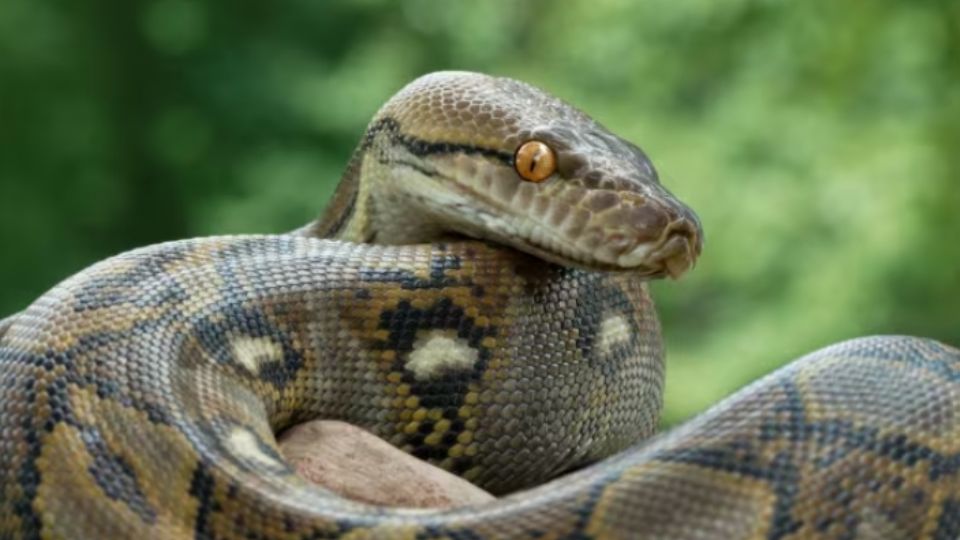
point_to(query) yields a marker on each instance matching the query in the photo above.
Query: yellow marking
(471, 398)
(465, 438)
(465, 411)
(394, 377)
(420, 414)
(442, 426)
(455, 451)
(411, 428)
(403, 390)
(437, 352)
(412, 402)
(252, 352)
(242, 442)
(613, 331)
(433, 439)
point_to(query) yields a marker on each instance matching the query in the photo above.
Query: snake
(477, 294)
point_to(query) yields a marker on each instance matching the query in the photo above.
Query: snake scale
(475, 294)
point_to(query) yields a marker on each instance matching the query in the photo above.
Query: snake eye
(535, 161)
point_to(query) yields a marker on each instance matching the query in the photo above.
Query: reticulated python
(139, 398)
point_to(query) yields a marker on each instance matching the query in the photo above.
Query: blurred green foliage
(819, 141)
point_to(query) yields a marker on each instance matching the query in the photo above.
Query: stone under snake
(475, 294)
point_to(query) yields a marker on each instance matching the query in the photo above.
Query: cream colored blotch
(437, 352)
(244, 443)
(613, 330)
(253, 352)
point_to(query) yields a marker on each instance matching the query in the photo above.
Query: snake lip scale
(476, 293)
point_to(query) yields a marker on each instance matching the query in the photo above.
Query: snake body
(481, 315)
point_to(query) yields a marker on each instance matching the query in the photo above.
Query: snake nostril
(691, 232)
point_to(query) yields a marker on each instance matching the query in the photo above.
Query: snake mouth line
(671, 253)
(672, 256)
(647, 235)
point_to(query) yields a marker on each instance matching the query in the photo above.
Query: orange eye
(535, 161)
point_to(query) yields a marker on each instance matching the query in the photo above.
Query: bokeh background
(819, 141)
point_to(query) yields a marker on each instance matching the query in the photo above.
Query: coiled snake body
(139, 398)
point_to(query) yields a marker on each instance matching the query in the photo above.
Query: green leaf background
(819, 141)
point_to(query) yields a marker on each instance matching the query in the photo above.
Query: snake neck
(347, 215)
(368, 206)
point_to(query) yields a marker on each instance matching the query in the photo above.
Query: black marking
(595, 301)
(409, 280)
(116, 477)
(933, 357)
(362, 294)
(948, 526)
(432, 532)
(789, 416)
(420, 147)
(405, 324)
(216, 333)
(784, 473)
(244, 247)
(28, 477)
(786, 485)
(584, 511)
(432, 173)
(128, 287)
(202, 489)
(444, 390)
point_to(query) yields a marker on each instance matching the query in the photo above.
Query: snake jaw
(566, 224)
(560, 222)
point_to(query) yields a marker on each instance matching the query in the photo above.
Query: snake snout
(681, 248)
(653, 236)
(684, 242)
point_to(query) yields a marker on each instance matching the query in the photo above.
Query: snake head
(497, 159)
